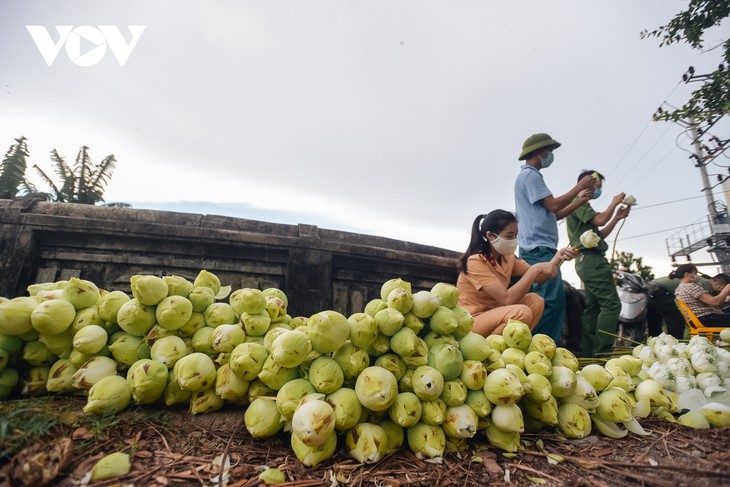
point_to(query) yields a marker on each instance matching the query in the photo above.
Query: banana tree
(84, 183)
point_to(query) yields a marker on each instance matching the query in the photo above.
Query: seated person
(718, 282)
(488, 267)
(703, 304)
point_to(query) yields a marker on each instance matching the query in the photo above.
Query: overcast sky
(394, 118)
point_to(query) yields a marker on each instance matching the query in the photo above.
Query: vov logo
(98, 37)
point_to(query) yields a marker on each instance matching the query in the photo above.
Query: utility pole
(700, 154)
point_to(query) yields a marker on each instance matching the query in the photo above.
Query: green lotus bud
(424, 304)
(380, 346)
(351, 359)
(229, 386)
(443, 321)
(448, 294)
(426, 441)
(11, 344)
(78, 359)
(275, 308)
(81, 293)
(90, 339)
(177, 285)
(538, 363)
(60, 376)
(135, 318)
(363, 329)
(375, 305)
(226, 337)
(413, 322)
(147, 289)
(465, 322)
(389, 321)
(454, 393)
(614, 405)
(514, 356)
(168, 350)
(201, 297)
(404, 342)
(34, 289)
(113, 465)
(584, 394)
(461, 421)
(473, 374)
(291, 348)
(93, 370)
(276, 292)
(376, 388)
(432, 339)
(248, 300)
(694, 419)
(366, 442)
(173, 393)
(15, 315)
(328, 331)
(272, 476)
(127, 349)
(311, 456)
(174, 312)
(546, 411)
(205, 401)
(630, 364)
(346, 406)
(503, 388)
(395, 434)
(393, 363)
(504, 440)
(562, 381)
(262, 418)
(597, 376)
(428, 383)
(573, 421)
(255, 324)
(478, 401)
(109, 305)
(433, 412)
(313, 422)
(53, 317)
(653, 392)
(148, 380)
(289, 395)
(400, 299)
(406, 410)
(247, 360)
(202, 341)
(508, 418)
(542, 343)
(517, 334)
(195, 323)
(540, 387)
(86, 317)
(195, 372)
(420, 356)
(474, 347)
(275, 375)
(496, 342)
(391, 284)
(447, 359)
(209, 280)
(219, 314)
(326, 375)
(37, 354)
(565, 358)
(109, 395)
(8, 380)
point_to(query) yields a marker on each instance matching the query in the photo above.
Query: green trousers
(602, 305)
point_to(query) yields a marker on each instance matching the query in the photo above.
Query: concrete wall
(317, 268)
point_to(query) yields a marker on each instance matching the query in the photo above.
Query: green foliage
(12, 169)
(83, 183)
(712, 100)
(627, 260)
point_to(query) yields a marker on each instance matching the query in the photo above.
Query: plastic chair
(695, 325)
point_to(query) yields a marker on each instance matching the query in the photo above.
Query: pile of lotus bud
(406, 371)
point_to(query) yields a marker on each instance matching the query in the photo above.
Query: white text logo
(98, 38)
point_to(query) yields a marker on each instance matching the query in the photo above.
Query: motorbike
(634, 297)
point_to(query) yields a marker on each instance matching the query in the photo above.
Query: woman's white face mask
(502, 245)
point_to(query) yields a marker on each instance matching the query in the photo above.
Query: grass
(26, 421)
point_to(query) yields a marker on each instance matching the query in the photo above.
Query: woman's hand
(566, 253)
(544, 271)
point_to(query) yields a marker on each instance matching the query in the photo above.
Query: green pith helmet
(535, 142)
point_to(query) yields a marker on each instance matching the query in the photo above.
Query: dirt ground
(175, 448)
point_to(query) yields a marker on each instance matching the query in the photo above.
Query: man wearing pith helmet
(537, 214)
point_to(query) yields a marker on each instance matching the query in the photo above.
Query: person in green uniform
(602, 305)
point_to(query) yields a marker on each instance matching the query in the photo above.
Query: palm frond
(56, 193)
(12, 169)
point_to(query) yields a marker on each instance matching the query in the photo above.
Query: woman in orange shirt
(494, 283)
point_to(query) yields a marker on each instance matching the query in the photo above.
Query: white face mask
(503, 245)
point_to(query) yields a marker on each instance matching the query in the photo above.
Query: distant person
(488, 267)
(663, 309)
(719, 281)
(703, 304)
(538, 211)
(602, 304)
